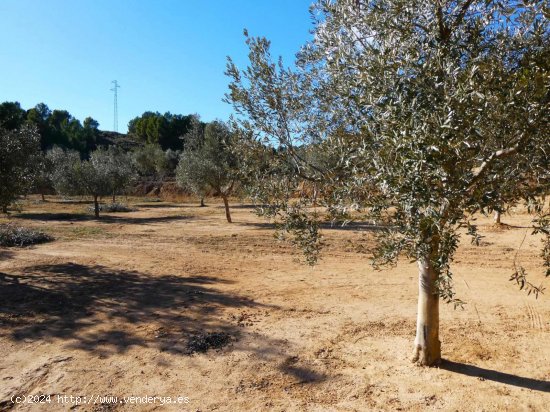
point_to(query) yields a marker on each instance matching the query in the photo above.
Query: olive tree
(19, 158)
(42, 179)
(151, 161)
(190, 174)
(185, 176)
(95, 177)
(119, 167)
(425, 109)
(210, 165)
(61, 162)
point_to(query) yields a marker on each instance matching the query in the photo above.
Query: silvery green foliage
(172, 159)
(42, 174)
(208, 164)
(106, 172)
(118, 166)
(414, 113)
(113, 208)
(62, 174)
(73, 176)
(192, 167)
(191, 171)
(19, 156)
(13, 235)
(151, 161)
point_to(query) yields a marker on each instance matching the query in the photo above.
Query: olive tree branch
(488, 163)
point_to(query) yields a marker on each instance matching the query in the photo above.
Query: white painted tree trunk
(496, 218)
(427, 347)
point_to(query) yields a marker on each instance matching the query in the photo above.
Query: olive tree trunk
(496, 218)
(96, 207)
(202, 202)
(226, 204)
(427, 347)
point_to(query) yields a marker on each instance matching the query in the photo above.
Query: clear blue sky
(168, 55)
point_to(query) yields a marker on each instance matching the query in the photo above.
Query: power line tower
(114, 89)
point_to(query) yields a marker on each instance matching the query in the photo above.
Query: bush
(112, 207)
(12, 235)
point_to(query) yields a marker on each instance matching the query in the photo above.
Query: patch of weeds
(202, 342)
(111, 207)
(13, 235)
(118, 207)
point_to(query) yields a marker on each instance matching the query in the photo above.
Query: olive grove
(416, 114)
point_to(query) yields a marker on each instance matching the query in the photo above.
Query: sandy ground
(108, 308)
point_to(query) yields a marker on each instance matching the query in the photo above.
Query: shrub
(13, 235)
(112, 207)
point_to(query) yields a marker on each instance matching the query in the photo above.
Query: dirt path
(108, 309)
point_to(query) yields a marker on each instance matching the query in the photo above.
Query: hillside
(125, 141)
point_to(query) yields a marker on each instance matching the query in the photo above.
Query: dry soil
(108, 310)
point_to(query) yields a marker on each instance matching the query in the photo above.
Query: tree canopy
(209, 164)
(416, 114)
(19, 162)
(56, 128)
(166, 129)
(107, 172)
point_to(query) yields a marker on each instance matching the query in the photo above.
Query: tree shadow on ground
(499, 227)
(5, 254)
(105, 311)
(160, 205)
(52, 216)
(107, 218)
(102, 310)
(238, 206)
(70, 201)
(352, 226)
(303, 374)
(495, 376)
